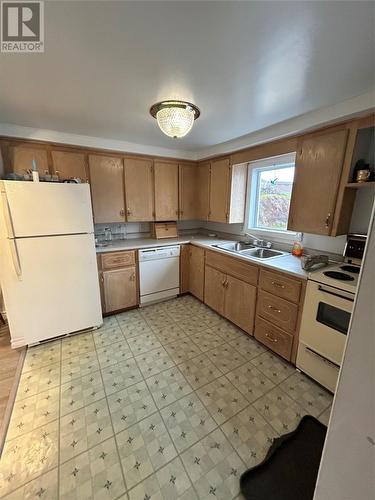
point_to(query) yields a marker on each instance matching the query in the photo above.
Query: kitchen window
(269, 194)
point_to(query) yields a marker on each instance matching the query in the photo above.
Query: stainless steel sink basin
(236, 246)
(262, 253)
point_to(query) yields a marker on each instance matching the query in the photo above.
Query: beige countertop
(286, 263)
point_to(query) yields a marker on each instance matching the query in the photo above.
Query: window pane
(273, 197)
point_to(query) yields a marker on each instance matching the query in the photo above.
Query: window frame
(264, 164)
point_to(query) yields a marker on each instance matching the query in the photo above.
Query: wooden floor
(9, 359)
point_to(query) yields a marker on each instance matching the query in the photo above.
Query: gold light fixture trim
(175, 118)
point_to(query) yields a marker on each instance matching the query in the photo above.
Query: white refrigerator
(48, 270)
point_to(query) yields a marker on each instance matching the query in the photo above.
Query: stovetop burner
(337, 275)
(350, 269)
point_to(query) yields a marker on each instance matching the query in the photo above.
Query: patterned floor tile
(182, 350)
(207, 340)
(28, 456)
(114, 353)
(214, 467)
(81, 392)
(153, 362)
(37, 381)
(34, 412)
(247, 346)
(135, 328)
(273, 367)
(169, 483)
(129, 316)
(94, 474)
(227, 331)
(324, 417)
(109, 322)
(84, 428)
(43, 487)
(305, 392)
(77, 345)
(250, 435)
(169, 333)
(121, 376)
(226, 358)
(199, 371)
(79, 366)
(144, 448)
(187, 421)
(280, 410)
(193, 325)
(167, 387)
(221, 399)
(106, 337)
(250, 381)
(42, 355)
(143, 343)
(130, 405)
(160, 321)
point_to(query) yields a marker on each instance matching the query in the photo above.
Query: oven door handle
(321, 289)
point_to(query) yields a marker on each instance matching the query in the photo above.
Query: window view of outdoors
(273, 197)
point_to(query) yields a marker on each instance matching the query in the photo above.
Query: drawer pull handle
(275, 283)
(274, 309)
(272, 339)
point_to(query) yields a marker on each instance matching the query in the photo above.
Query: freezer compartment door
(57, 291)
(46, 208)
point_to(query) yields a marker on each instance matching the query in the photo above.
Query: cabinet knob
(328, 218)
(274, 309)
(279, 285)
(122, 212)
(272, 339)
(128, 211)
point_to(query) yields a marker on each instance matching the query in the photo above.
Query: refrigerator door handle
(11, 239)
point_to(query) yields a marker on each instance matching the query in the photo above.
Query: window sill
(282, 236)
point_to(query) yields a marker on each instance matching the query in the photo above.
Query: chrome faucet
(259, 243)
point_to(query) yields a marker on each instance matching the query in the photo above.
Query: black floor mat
(290, 468)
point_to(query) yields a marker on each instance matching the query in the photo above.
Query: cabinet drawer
(279, 311)
(286, 288)
(114, 260)
(274, 338)
(235, 267)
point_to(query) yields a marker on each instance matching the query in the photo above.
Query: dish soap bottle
(297, 245)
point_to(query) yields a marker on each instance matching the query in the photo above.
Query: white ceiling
(246, 65)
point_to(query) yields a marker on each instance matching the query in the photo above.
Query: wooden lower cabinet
(120, 288)
(196, 271)
(214, 290)
(274, 338)
(239, 303)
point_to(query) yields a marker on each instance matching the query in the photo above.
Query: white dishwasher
(159, 273)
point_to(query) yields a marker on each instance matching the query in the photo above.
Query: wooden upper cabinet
(237, 193)
(21, 159)
(203, 191)
(188, 191)
(317, 175)
(69, 164)
(219, 190)
(107, 188)
(166, 191)
(139, 190)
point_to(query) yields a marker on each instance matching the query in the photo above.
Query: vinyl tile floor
(163, 403)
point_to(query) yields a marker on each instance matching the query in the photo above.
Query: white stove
(327, 310)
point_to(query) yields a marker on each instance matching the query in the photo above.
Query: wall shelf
(356, 185)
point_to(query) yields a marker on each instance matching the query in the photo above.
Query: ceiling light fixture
(175, 118)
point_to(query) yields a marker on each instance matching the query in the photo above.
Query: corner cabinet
(188, 191)
(319, 164)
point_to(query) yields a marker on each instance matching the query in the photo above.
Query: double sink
(249, 250)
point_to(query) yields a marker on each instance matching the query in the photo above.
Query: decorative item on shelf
(160, 230)
(175, 118)
(361, 172)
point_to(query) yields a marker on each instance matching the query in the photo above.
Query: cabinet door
(22, 158)
(240, 301)
(107, 188)
(139, 190)
(120, 288)
(237, 195)
(166, 191)
(67, 165)
(219, 190)
(184, 268)
(188, 192)
(203, 190)
(196, 271)
(214, 289)
(316, 180)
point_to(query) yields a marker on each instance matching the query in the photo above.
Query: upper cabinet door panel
(68, 165)
(22, 159)
(139, 190)
(203, 190)
(188, 192)
(219, 190)
(107, 188)
(317, 175)
(166, 191)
